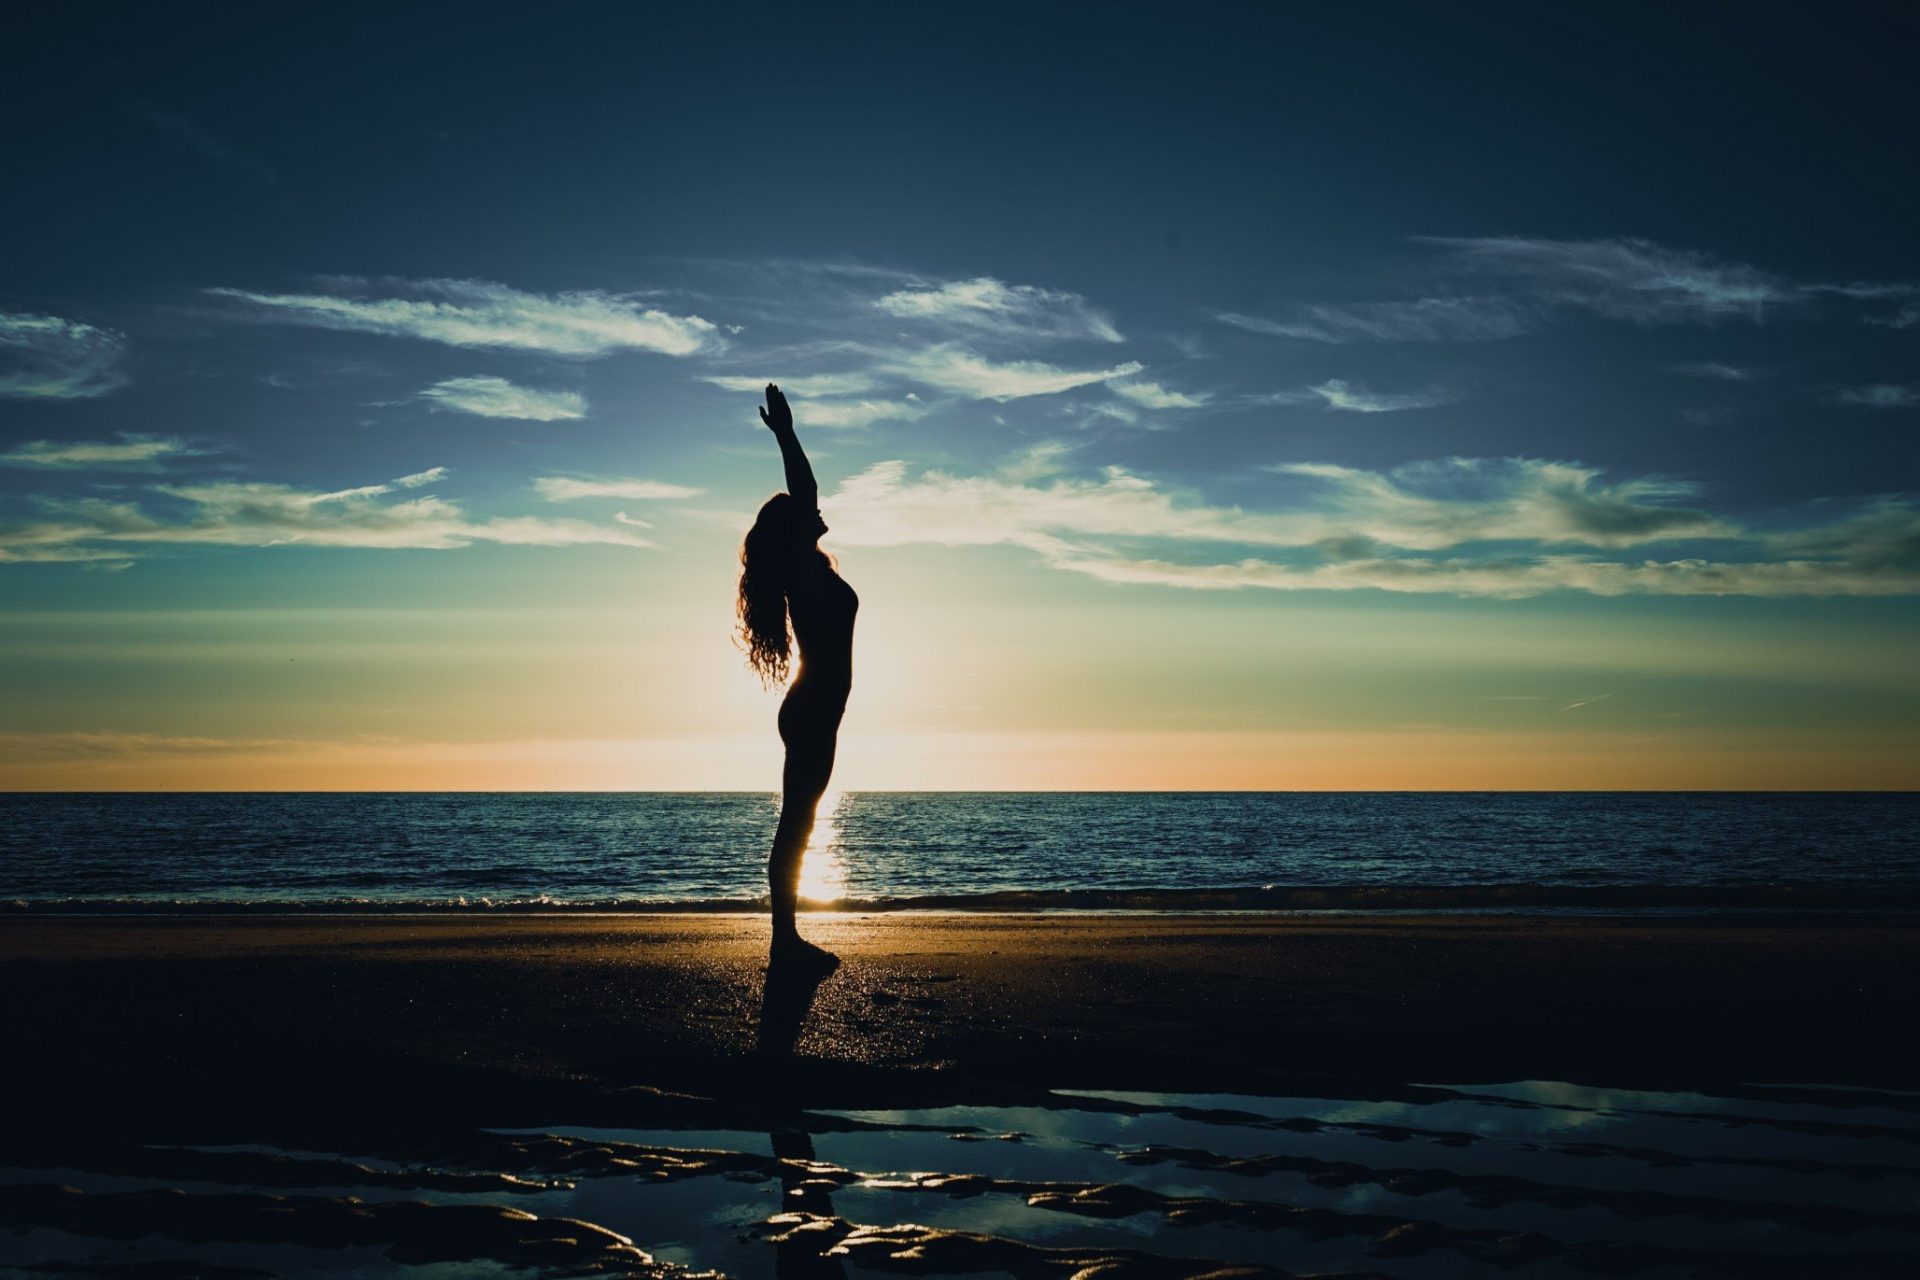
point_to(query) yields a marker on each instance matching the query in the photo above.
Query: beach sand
(207, 1017)
(415, 1088)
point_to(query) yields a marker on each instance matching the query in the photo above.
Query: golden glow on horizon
(1403, 760)
(957, 694)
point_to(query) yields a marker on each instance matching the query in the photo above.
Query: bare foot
(795, 952)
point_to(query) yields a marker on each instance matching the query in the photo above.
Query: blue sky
(1386, 373)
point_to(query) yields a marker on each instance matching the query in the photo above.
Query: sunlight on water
(823, 873)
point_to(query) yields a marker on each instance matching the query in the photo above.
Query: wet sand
(211, 1024)
(630, 1095)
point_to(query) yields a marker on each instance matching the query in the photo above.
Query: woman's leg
(809, 765)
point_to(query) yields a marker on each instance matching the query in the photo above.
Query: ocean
(1452, 851)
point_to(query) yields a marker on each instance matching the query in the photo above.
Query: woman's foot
(791, 950)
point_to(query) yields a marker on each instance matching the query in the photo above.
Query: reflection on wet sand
(785, 1001)
(804, 1199)
(1410, 1181)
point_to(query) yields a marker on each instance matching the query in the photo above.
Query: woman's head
(781, 533)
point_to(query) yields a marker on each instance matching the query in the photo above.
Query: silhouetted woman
(785, 576)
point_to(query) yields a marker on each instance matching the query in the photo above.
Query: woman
(785, 576)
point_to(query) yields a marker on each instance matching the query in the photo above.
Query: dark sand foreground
(203, 1024)
(245, 1098)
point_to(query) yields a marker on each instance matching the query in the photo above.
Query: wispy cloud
(23, 551)
(48, 358)
(1036, 461)
(1904, 292)
(1342, 395)
(1625, 279)
(1293, 395)
(1090, 414)
(1883, 533)
(1508, 578)
(857, 413)
(814, 405)
(258, 514)
(1437, 505)
(885, 506)
(190, 135)
(818, 384)
(998, 308)
(477, 313)
(1870, 290)
(865, 335)
(951, 367)
(1330, 509)
(1905, 318)
(1880, 395)
(130, 452)
(571, 489)
(1622, 278)
(491, 397)
(1588, 701)
(1152, 395)
(1515, 578)
(1479, 527)
(1465, 319)
(1714, 371)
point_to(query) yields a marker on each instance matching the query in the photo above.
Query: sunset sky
(1203, 396)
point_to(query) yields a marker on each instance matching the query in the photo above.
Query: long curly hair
(766, 558)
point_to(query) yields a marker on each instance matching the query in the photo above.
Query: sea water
(877, 850)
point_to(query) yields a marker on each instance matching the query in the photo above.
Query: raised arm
(800, 481)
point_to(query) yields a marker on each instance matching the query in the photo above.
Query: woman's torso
(823, 626)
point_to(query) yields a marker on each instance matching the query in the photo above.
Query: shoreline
(1399, 900)
(518, 911)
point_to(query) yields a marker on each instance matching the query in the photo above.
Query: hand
(776, 415)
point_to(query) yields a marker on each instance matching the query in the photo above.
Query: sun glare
(823, 875)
